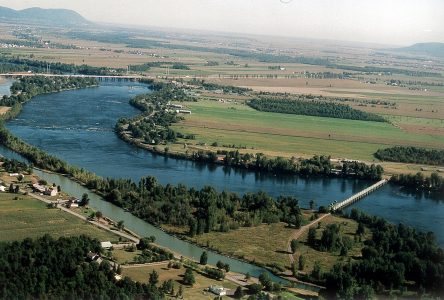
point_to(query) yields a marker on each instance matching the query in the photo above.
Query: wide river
(77, 126)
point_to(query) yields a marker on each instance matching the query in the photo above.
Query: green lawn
(287, 134)
(28, 217)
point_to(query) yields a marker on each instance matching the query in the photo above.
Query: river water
(77, 126)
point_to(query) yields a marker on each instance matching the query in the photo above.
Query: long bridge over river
(358, 196)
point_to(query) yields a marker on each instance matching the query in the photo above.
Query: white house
(2, 188)
(218, 290)
(106, 245)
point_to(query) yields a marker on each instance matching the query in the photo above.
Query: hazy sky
(379, 21)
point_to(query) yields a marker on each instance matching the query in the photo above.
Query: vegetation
(18, 64)
(313, 108)
(394, 258)
(58, 269)
(224, 88)
(411, 155)
(434, 183)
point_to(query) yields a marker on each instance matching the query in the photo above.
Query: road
(297, 234)
(102, 226)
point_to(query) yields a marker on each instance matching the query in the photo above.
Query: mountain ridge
(43, 16)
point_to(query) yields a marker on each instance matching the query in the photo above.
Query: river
(77, 126)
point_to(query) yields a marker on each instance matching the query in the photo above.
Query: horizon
(398, 25)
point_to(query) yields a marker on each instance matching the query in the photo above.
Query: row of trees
(227, 89)
(312, 108)
(411, 155)
(19, 64)
(46, 268)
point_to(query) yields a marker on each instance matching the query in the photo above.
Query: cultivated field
(28, 217)
(293, 135)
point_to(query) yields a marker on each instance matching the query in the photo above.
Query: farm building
(218, 290)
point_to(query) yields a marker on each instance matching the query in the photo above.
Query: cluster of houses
(179, 109)
(52, 191)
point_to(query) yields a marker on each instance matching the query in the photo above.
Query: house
(50, 192)
(176, 105)
(183, 111)
(38, 188)
(218, 290)
(91, 256)
(14, 174)
(106, 245)
(2, 188)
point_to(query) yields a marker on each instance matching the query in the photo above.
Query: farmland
(28, 217)
(289, 135)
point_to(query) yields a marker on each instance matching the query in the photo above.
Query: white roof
(106, 244)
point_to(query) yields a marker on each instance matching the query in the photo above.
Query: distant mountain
(433, 49)
(36, 15)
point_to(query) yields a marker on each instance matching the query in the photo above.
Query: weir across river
(358, 196)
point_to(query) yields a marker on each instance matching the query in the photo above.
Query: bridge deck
(358, 196)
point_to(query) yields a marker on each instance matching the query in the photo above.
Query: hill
(41, 16)
(432, 49)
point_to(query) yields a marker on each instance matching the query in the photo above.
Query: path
(119, 233)
(297, 234)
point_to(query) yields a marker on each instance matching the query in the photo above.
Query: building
(106, 245)
(2, 188)
(184, 111)
(218, 290)
(38, 188)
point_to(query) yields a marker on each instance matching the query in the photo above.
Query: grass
(28, 217)
(141, 274)
(252, 243)
(288, 135)
(328, 259)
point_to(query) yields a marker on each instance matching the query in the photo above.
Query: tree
(204, 258)
(154, 278)
(265, 280)
(99, 215)
(120, 225)
(17, 189)
(311, 239)
(247, 276)
(11, 188)
(361, 229)
(316, 272)
(301, 262)
(294, 269)
(255, 288)
(20, 177)
(312, 204)
(220, 264)
(293, 246)
(85, 199)
(239, 293)
(180, 292)
(188, 277)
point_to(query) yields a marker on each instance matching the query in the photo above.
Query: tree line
(312, 108)
(413, 155)
(19, 64)
(419, 182)
(46, 268)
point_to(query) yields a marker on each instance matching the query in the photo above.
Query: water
(77, 127)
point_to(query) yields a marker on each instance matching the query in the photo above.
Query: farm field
(28, 217)
(293, 135)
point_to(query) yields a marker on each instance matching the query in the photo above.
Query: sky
(392, 22)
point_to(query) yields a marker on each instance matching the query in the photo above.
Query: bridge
(358, 196)
(99, 77)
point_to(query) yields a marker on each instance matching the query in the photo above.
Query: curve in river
(77, 126)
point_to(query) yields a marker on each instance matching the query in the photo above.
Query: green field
(288, 135)
(28, 217)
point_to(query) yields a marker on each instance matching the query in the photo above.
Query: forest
(25, 88)
(419, 182)
(18, 64)
(46, 268)
(413, 155)
(225, 88)
(396, 258)
(312, 108)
